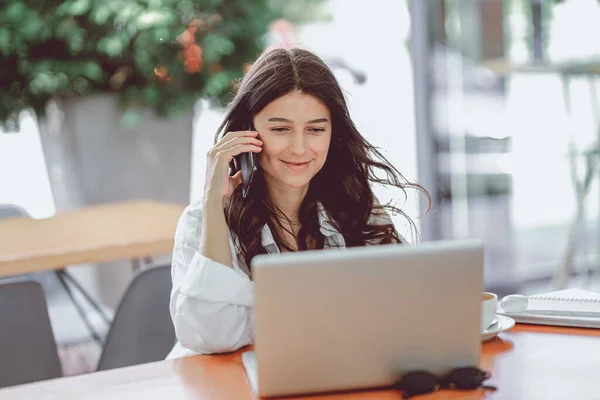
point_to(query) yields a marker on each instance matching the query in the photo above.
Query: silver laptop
(344, 319)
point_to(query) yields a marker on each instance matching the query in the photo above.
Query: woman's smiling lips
(296, 166)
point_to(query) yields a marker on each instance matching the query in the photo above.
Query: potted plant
(164, 54)
(121, 76)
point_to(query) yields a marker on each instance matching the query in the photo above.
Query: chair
(12, 211)
(27, 346)
(142, 330)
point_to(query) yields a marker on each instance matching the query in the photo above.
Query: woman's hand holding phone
(219, 184)
(214, 232)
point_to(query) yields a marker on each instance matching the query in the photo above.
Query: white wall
(23, 175)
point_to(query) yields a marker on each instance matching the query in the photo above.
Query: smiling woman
(312, 156)
(312, 190)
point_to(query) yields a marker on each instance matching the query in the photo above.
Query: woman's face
(296, 132)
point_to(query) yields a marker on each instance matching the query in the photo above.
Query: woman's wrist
(214, 240)
(213, 200)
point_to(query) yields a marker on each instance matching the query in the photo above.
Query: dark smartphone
(248, 164)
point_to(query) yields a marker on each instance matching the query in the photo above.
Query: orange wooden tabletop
(93, 234)
(528, 362)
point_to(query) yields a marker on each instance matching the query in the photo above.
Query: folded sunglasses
(422, 382)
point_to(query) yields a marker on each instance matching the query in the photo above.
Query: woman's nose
(298, 144)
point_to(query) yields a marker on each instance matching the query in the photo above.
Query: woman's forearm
(214, 237)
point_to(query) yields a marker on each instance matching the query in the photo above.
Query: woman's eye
(317, 130)
(279, 130)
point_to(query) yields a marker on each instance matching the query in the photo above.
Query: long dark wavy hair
(343, 186)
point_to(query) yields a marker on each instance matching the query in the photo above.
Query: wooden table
(94, 234)
(528, 362)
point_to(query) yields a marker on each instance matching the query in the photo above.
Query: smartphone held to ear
(248, 164)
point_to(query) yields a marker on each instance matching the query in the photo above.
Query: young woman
(311, 191)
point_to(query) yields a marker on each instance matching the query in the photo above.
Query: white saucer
(502, 324)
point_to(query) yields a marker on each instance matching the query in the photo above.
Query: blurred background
(491, 105)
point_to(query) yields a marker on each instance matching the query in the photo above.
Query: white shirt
(212, 305)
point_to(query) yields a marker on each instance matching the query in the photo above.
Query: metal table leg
(80, 310)
(85, 294)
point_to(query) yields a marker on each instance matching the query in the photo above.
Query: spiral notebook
(570, 307)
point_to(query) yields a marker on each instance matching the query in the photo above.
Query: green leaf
(101, 15)
(66, 28)
(31, 26)
(217, 83)
(81, 86)
(16, 11)
(79, 7)
(41, 66)
(73, 7)
(76, 41)
(112, 45)
(185, 7)
(4, 41)
(92, 71)
(162, 34)
(150, 19)
(215, 47)
(129, 14)
(44, 82)
(62, 80)
(151, 95)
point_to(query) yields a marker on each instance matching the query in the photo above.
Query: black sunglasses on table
(423, 382)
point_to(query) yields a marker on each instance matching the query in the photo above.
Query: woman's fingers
(236, 134)
(239, 140)
(236, 179)
(228, 154)
(236, 141)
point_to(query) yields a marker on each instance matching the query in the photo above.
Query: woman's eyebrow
(314, 121)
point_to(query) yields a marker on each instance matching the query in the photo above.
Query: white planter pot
(91, 158)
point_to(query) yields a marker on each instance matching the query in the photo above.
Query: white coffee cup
(489, 304)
